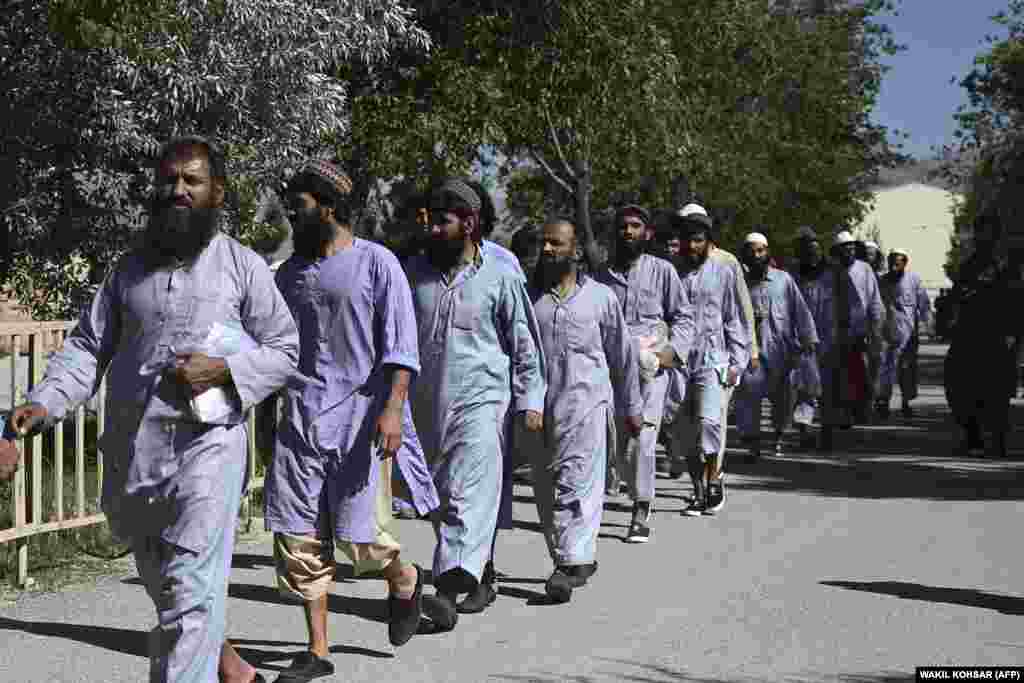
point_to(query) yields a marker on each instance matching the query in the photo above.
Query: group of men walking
(438, 366)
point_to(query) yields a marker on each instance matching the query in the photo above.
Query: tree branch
(558, 144)
(551, 172)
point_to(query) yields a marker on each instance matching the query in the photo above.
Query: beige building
(918, 217)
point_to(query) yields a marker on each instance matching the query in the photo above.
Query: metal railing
(28, 345)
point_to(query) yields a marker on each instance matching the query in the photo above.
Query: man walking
(687, 426)
(330, 480)
(479, 360)
(175, 473)
(716, 360)
(651, 296)
(589, 351)
(908, 307)
(786, 330)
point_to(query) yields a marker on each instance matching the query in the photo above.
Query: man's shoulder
(726, 257)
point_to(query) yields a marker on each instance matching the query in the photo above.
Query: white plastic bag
(649, 346)
(220, 405)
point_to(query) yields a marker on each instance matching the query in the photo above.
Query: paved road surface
(858, 566)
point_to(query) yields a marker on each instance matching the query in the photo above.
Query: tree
(94, 86)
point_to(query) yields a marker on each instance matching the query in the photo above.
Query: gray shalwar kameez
(588, 350)
(784, 327)
(172, 486)
(649, 293)
(355, 317)
(720, 342)
(478, 357)
(908, 305)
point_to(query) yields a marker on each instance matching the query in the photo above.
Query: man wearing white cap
(785, 328)
(908, 306)
(687, 425)
(717, 359)
(873, 257)
(857, 320)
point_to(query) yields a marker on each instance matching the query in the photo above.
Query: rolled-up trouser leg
(189, 590)
(375, 556)
(304, 566)
(709, 404)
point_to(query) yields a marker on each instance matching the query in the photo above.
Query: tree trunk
(582, 191)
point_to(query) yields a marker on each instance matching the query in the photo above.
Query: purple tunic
(355, 316)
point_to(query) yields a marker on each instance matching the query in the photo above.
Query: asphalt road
(856, 566)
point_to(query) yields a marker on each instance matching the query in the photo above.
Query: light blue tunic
(649, 294)
(589, 351)
(172, 486)
(355, 317)
(720, 342)
(909, 307)
(784, 325)
(478, 357)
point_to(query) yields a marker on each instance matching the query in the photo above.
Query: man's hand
(534, 421)
(635, 424)
(27, 418)
(732, 378)
(389, 432)
(197, 372)
(755, 363)
(9, 458)
(667, 358)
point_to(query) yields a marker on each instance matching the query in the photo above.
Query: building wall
(918, 218)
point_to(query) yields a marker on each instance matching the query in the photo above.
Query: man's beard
(444, 253)
(630, 250)
(758, 267)
(310, 234)
(552, 270)
(178, 234)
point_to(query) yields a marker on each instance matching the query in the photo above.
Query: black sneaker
(778, 446)
(478, 600)
(580, 573)
(715, 496)
(698, 502)
(559, 587)
(639, 532)
(440, 609)
(306, 667)
(404, 614)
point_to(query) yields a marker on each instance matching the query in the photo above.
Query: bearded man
(908, 309)
(590, 358)
(479, 360)
(175, 475)
(652, 300)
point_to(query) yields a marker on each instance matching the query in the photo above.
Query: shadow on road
(125, 641)
(250, 561)
(655, 673)
(1006, 604)
(366, 608)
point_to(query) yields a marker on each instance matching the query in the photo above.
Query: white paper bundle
(221, 405)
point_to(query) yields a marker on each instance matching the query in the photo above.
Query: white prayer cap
(844, 237)
(756, 238)
(901, 252)
(691, 209)
(871, 244)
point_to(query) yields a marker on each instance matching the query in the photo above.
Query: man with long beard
(909, 307)
(479, 360)
(651, 296)
(717, 358)
(686, 426)
(346, 417)
(173, 482)
(589, 351)
(786, 330)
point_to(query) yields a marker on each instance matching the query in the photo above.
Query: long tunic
(720, 342)
(588, 351)
(784, 325)
(172, 485)
(650, 293)
(479, 358)
(153, 449)
(908, 307)
(355, 317)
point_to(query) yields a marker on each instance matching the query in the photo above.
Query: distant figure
(872, 255)
(980, 367)
(526, 245)
(908, 308)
